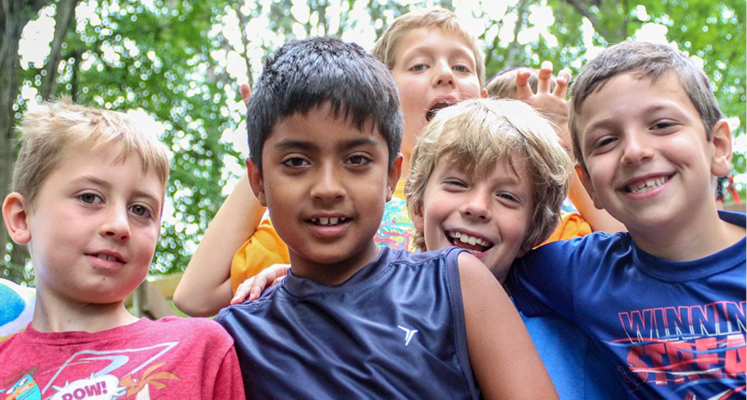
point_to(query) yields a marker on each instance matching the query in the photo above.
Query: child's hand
(552, 105)
(256, 285)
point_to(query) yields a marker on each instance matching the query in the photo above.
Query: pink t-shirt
(172, 358)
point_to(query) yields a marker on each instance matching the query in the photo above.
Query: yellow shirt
(571, 225)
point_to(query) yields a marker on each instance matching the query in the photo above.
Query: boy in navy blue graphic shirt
(352, 319)
(666, 301)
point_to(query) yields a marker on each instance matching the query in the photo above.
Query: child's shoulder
(203, 327)
(407, 257)
(594, 244)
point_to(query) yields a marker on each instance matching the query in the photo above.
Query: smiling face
(433, 67)
(326, 183)
(488, 214)
(94, 226)
(645, 150)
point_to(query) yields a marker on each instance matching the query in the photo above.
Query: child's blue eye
(140, 211)
(461, 68)
(418, 67)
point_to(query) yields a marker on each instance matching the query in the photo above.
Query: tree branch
(63, 23)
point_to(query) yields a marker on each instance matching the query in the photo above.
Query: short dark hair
(644, 60)
(307, 73)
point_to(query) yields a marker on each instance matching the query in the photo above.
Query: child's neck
(336, 273)
(52, 314)
(695, 238)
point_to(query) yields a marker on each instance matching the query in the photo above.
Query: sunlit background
(178, 66)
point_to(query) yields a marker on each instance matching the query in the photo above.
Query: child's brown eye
(358, 160)
(140, 211)
(89, 198)
(295, 162)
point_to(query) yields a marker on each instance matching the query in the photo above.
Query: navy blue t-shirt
(395, 329)
(673, 329)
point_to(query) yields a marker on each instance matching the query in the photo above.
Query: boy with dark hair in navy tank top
(352, 320)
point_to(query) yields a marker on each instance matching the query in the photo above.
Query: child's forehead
(112, 154)
(474, 165)
(424, 38)
(323, 124)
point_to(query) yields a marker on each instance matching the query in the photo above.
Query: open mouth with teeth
(647, 185)
(472, 243)
(436, 108)
(331, 221)
(107, 257)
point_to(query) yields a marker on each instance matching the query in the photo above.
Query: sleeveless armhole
(454, 287)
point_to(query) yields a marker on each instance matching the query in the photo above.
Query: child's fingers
(561, 84)
(259, 283)
(242, 291)
(544, 77)
(523, 90)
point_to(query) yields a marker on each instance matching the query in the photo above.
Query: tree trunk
(63, 22)
(14, 16)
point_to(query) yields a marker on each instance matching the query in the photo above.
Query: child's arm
(205, 287)
(504, 360)
(554, 106)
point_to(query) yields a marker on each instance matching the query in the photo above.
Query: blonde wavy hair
(52, 130)
(474, 135)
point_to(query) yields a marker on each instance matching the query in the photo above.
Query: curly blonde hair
(477, 133)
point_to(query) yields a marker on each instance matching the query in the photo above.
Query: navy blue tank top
(395, 329)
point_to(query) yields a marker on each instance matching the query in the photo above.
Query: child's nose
(117, 225)
(328, 186)
(637, 149)
(444, 75)
(477, 207)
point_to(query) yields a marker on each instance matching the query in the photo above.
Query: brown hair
(644, 60)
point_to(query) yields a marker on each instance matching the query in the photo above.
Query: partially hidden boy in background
(666, 300)
(353, 320)
(88, 192)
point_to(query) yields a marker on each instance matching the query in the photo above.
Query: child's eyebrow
(351, 144)
(295, 144)
(306, 145)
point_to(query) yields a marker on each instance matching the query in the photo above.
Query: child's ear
(721, 147)
(255, 181)
(583, 174)
(394, 173)
(484, 94)
(15, 215)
